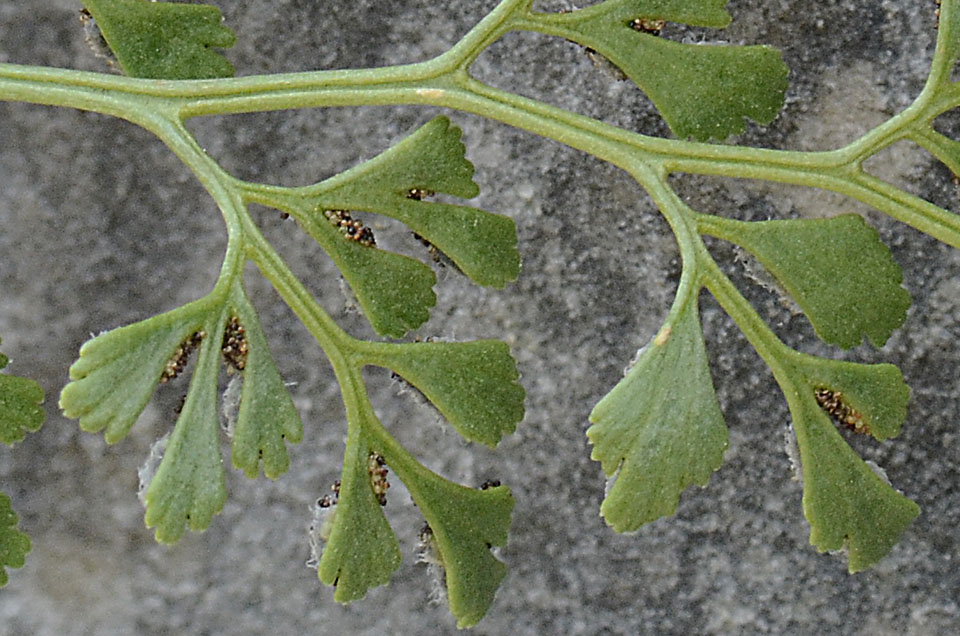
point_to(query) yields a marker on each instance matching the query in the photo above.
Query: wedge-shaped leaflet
(465, 523)
(846, 503)
(188, 487)
(117, 371)
(431, 160)
(876, 393)
(473, 384)
(267, 419)
(362, 551)
(14, 545)
(838, 270)
(703, 91)
(660, 429)
(394, 291)
(20, 412)
(21, 409)
(164, 40)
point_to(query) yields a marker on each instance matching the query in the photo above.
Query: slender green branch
(95, 92)
(244, 237)
(215, 179)
(681, 218)
(152, 104)
(360, 413)
(758, 333)
(906, 208)
(853, 182)
(494, 26)
(163, 107)
(334, 341)
(424, 83)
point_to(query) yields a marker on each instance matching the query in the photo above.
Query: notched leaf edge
(660, 429)
(164, 40)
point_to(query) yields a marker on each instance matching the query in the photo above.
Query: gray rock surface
(102, 226)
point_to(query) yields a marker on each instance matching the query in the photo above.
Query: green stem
(161, 106)
(244, 238)
(334, 341)
(360, 414)
(153, 104)
(758, 333)
(682, 221)
(430, 82)
(850, 181)
(498, 22)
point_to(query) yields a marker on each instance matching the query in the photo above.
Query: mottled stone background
(102, 226)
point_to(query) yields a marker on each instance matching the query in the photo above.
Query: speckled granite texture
(101, 226)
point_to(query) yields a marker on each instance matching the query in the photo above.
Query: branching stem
(163, 106)
(445, 82)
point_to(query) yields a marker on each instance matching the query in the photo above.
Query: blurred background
(102, 226)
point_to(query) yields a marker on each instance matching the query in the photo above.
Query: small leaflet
(189, 486)
(849, 504)
(361, 549)
(475, 385)
(164, 40)
(395, 292)
(21, 406)
(117, 371)
(266, 418)
(465, 527)
(14, 544)
(837, 270)
(660, 429)
(401, 183)
(703, 91)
